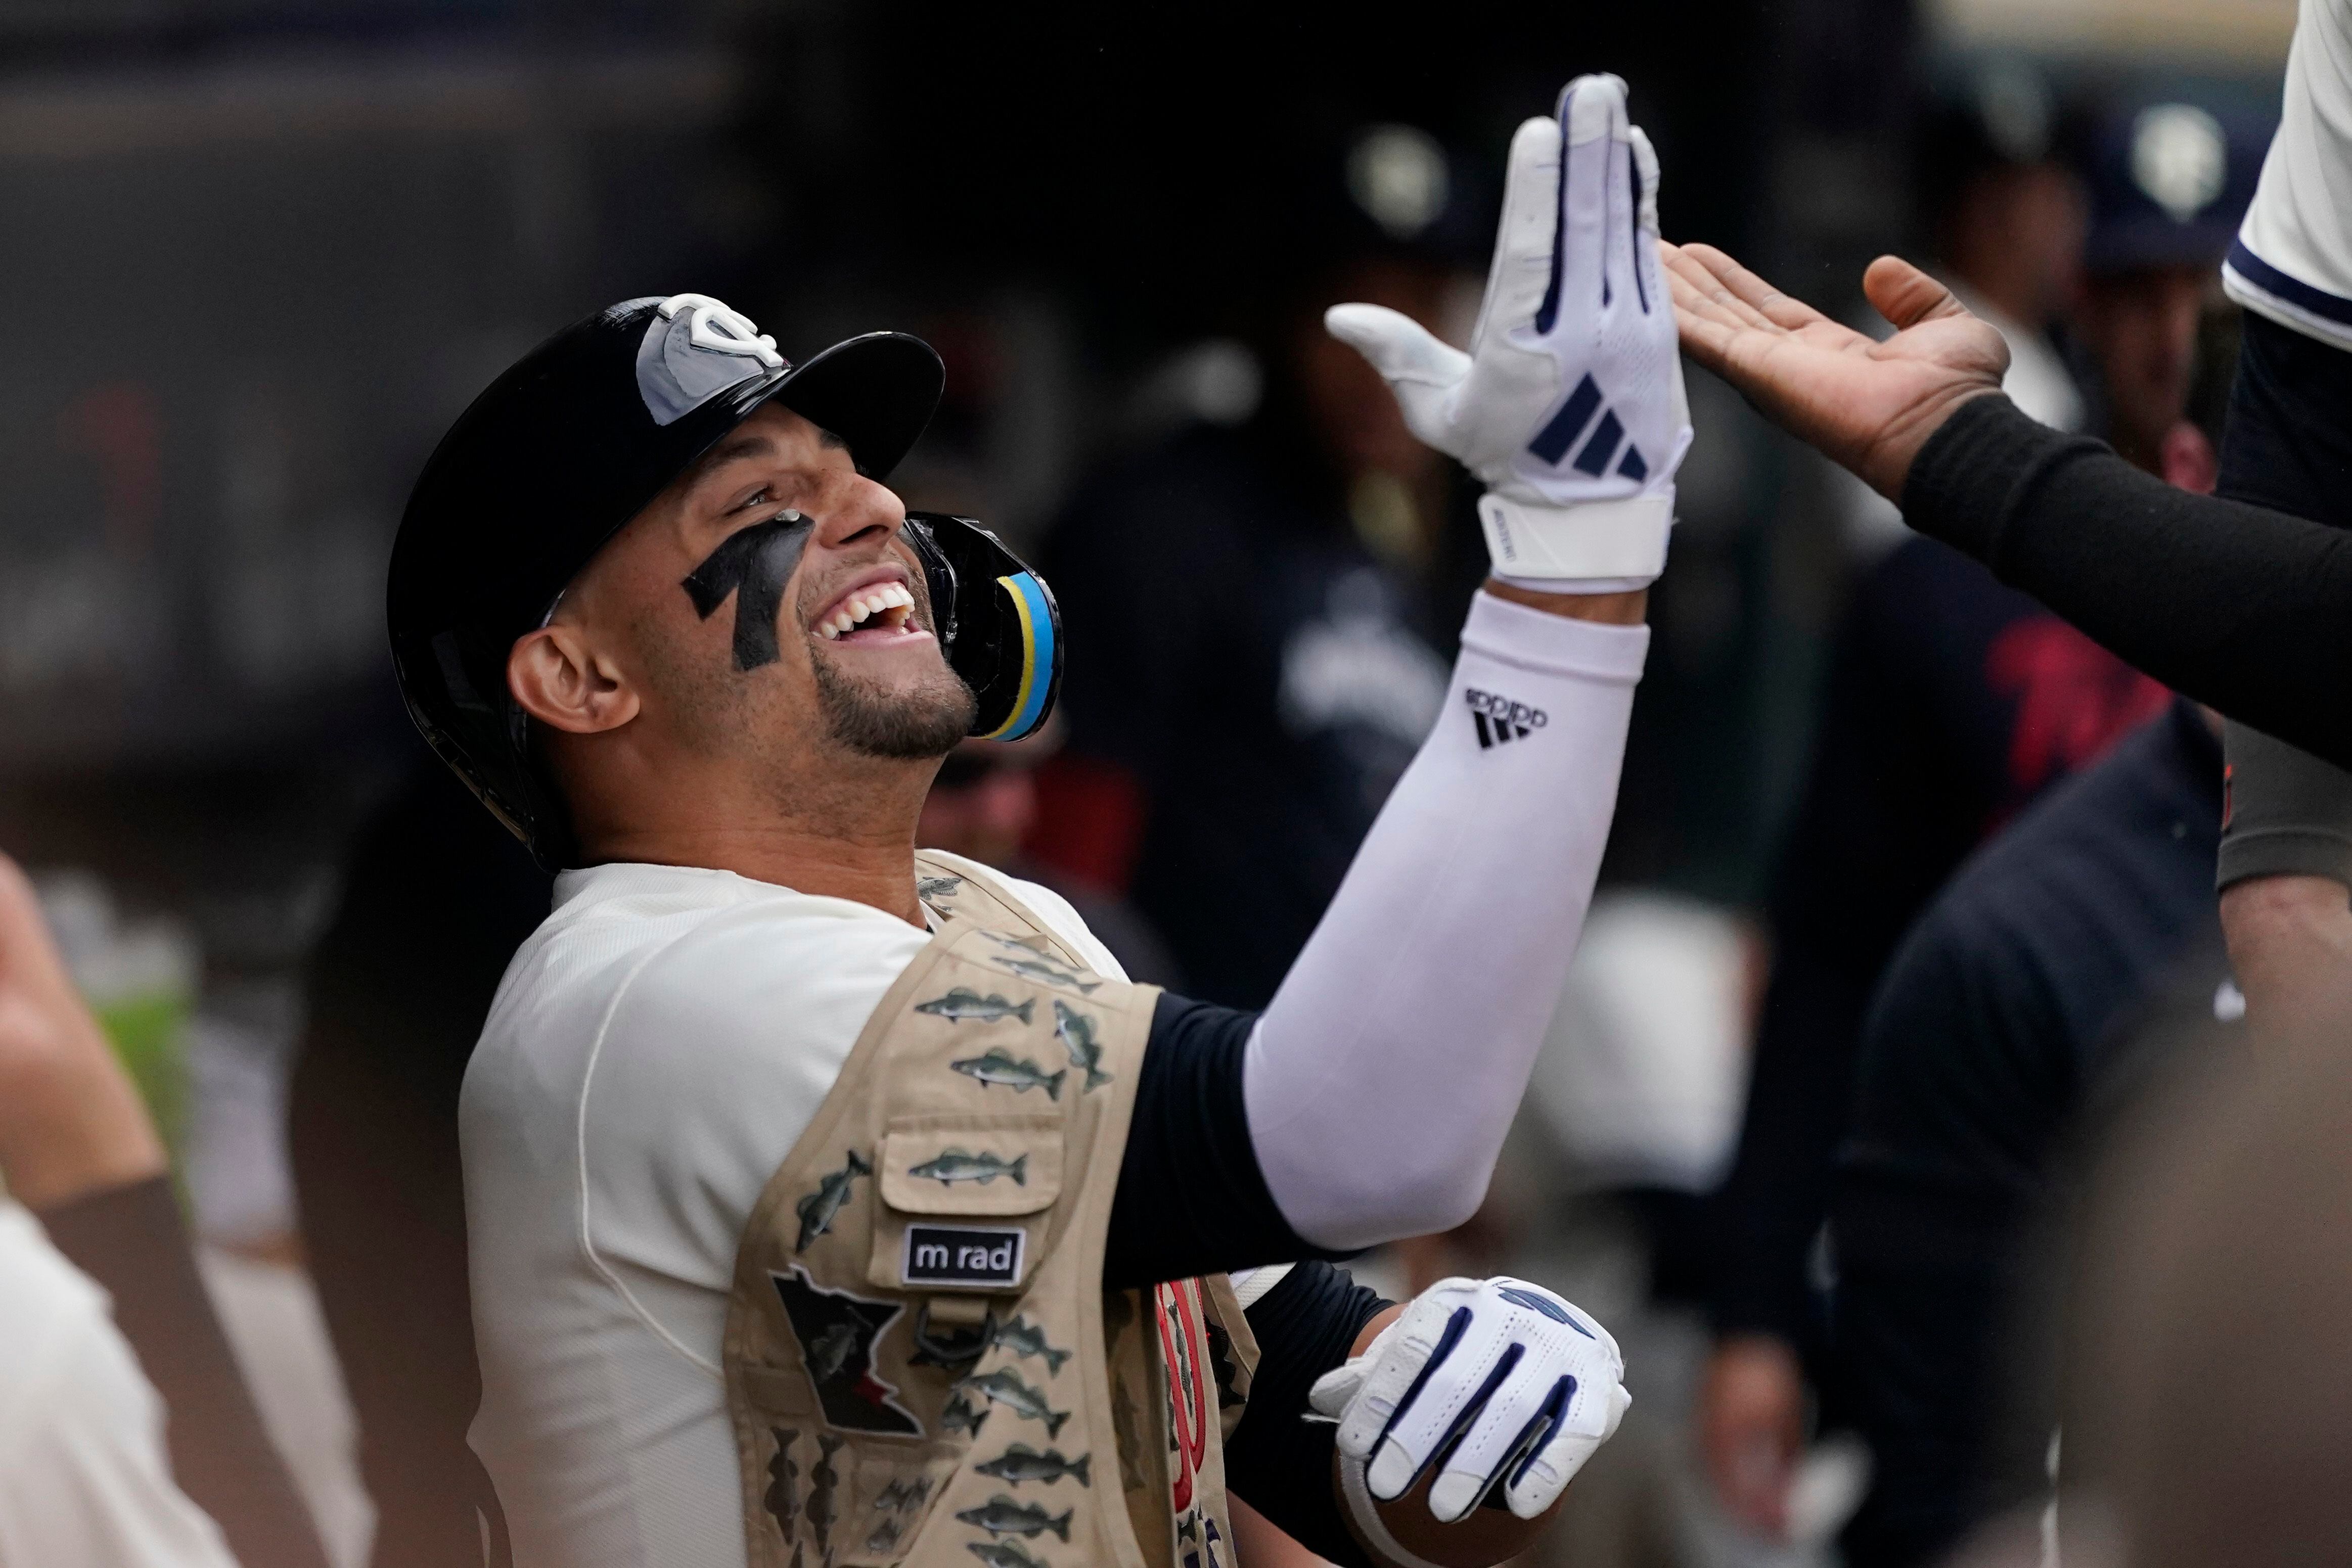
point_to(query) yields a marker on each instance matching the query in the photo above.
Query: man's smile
(875, 608)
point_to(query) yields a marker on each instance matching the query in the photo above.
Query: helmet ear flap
(938, 575)
(1002, 632)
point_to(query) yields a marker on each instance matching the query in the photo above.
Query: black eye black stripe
(752, 564)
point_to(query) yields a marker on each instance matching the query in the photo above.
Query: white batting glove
(1496, 1380)
(1570, 403)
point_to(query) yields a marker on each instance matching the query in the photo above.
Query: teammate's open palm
(1570, 403)
(1869, 404)
(1494, 1382)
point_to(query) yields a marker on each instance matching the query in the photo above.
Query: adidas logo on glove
(1552, 441)
(1570, 403)
(1499, 720)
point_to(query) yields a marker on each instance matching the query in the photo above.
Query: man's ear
(562, 680)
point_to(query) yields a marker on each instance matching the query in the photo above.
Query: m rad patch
(975, 1257)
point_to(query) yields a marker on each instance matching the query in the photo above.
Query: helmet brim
(877, 391)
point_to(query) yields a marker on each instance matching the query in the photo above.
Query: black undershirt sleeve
(1192, 1199)
(2241, 608)
(1277, 1463)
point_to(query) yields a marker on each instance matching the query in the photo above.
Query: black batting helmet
(578, 437)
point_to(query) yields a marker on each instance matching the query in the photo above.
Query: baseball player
(835, 1202)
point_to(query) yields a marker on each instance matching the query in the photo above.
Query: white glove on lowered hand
(1570, 403)
(1496, 1380)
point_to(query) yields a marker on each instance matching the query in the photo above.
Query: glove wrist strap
(1618, 540)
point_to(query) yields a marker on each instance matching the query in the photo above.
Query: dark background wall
(260, 253)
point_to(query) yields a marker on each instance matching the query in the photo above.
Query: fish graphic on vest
(819, 1208)
(999, 1554)
(953, 1166)
(783, 1481)
(1003, 1386)
(961, 1414)
(1076, 1030)
(824, 1494)
(1038, 969)
(1022, 1463)
(900, 1494)
(1017, 1414)
(1002, 1516)
(1000, 1067)
(964, 1005)
(1024, 1339)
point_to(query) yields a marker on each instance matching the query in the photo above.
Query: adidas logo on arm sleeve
(1498, 720)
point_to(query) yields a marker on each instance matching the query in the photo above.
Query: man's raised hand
(1570, 403)
(1870, 406)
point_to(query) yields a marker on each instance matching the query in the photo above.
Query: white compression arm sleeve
(1385, 1072)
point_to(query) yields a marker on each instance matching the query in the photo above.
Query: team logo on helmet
(696, 348)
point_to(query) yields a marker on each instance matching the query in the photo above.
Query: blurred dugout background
(262, 251)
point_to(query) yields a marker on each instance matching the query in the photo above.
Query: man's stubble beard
(907, 725)
(716, 709)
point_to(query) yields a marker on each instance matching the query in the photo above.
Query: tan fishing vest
(922, 1366)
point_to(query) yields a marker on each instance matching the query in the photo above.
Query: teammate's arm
(77, 1148)
(2245, 609)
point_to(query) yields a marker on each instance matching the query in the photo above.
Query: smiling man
(834, 1201)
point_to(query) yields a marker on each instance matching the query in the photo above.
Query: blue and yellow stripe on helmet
(1037, 656)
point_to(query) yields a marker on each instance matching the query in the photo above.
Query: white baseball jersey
(660, 1044)
(83, 1475)
(655, 1050)
(2293, 261)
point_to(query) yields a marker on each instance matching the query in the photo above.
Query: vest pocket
(964, 1200)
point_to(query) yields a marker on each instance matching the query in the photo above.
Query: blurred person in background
(435, 899)
(983, 807)
(1996, 1022)
(2006, 1010)
(90, 1214)
(2207, 1388)
(2242, 606)
(2023, 700)
(2169, 181)
(1951, 702)
(1261, 610)
(2218, 1247)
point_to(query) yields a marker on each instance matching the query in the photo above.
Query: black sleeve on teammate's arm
(1278, 1464)
(1192, 1199)
(2241, 608)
